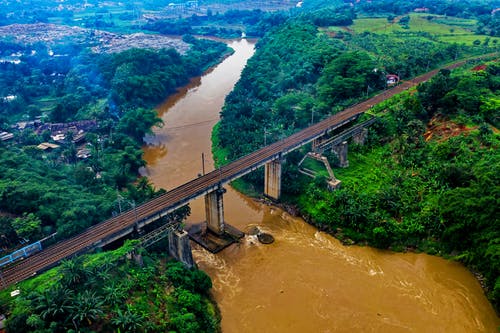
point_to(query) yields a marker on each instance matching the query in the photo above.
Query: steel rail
(98, 234)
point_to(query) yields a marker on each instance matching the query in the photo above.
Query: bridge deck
(116, 227)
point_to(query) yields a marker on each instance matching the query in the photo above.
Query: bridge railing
(21, 253)
(345, 135)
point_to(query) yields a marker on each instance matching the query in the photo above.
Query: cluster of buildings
(60, 134)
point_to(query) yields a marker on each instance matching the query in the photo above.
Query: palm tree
(114, 294)
(87, 307)
(35, 321)
(128, 321)
(54, 303)
(99, 275)
(73, 272)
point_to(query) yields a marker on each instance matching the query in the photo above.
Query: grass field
(378, 25)
(109, 15)
(333, 29)
(446, 29)
(356, 176)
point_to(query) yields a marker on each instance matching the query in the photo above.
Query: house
(479, 68)
(84, 153)
(22, 125)
(421, 10)
(4, 136)
(391, 79)
(58, 137)
(74, 126)
(47, 146)
(79, 137)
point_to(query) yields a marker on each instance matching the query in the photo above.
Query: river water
(306, 281)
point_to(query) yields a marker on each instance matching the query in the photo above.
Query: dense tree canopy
(108, 294)
(438, 194)
(414, 186)
(55, 190)
(327, 73)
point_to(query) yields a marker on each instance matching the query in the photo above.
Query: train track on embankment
(175, 198)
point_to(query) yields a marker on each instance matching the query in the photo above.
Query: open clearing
(446, 29)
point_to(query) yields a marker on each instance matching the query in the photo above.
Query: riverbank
(312, 282)
(364, 164)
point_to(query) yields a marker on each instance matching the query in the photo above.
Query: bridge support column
(272, 179)
(180, 248)
(360, 138)
(315, 144)
(214, 209)
(341, 151)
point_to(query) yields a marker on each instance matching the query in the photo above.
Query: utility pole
(119, 199)
(203, 164)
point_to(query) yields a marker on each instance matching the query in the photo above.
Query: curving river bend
(306, 281)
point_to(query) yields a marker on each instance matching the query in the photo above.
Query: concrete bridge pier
(341, 151)
(214, 234)
(214, 210)
(315, 145)
(360, 137)
(272, 179)
(179, 247)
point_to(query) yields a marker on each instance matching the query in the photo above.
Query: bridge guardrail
(21, 253)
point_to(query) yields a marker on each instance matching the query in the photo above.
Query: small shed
(391, 79)
(47, 146)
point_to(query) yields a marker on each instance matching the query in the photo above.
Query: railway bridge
(209, 185)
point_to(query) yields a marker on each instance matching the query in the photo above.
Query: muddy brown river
(306, 281)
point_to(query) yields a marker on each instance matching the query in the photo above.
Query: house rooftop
(47, 145)
(4, 136)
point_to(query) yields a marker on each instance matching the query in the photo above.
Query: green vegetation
(301, 74)
(413, 185)
(102, 106)
(273, 83)
(432, 27)
(109, 293)
(144, 77)
(436, 193)
(57, 190)
(434, 187)
(220, 18)
(230, 24)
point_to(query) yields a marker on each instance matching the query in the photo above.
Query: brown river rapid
(306, 281)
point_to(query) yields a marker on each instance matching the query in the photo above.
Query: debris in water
(265, 238)
(254, 231)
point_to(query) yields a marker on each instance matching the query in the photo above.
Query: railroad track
(179, 196)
